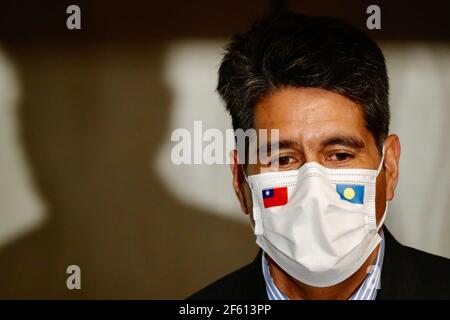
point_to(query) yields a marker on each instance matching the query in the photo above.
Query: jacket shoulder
(242, 284)
(413, 274)
(432, 271)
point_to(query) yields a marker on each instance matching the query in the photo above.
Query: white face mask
(318, 224)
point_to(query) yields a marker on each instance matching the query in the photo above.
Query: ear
(391, 164)
(239, 181)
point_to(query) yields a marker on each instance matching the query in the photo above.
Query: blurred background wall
(85, 124)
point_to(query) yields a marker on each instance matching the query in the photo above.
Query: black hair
(293, 50)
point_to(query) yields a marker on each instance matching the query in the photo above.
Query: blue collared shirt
(367, 290)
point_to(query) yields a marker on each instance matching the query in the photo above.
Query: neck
(295, 290)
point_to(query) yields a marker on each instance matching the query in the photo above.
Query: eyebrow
(283, 144)
(346, 141)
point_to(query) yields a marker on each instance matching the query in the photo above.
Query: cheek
(380, 195)
(249, 203)
(248, 198)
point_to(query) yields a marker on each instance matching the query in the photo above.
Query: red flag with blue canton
(275, 197)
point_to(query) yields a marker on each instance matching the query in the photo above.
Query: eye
(282, 161)
(341, 156)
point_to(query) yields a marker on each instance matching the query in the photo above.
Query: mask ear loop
(257, 229)
(380, 166)
(383, 217)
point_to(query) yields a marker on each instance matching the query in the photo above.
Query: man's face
(317, 125)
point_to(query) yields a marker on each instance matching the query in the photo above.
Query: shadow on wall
(92, 120)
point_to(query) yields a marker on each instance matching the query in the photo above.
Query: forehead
(310, 114)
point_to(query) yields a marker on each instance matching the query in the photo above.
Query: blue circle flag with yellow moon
(351, 193)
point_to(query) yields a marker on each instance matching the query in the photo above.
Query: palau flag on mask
(351, 193)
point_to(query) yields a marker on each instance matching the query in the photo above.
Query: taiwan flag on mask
(275, 197)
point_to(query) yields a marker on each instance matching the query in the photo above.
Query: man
(317, 206)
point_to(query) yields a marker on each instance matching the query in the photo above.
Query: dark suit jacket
(407, 273)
